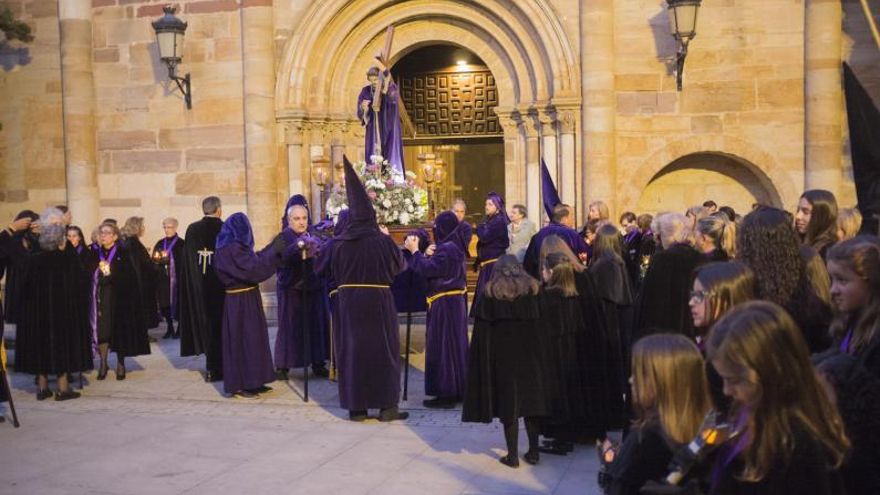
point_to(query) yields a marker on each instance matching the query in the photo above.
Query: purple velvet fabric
(299, 290)
(447, 344)
(367, 342)
(533, 252)
(493, 242)
(247, 360)
(389, 133)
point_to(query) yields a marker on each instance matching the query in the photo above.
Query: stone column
(78, 107)
(549, 153)
(567, 182)
(823, 93)
(597, 73)
(259, 119)
(294, 139)
(338, 131)
(514, 171)
(532, 129)
(317, 137)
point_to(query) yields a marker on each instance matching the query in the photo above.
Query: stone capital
(568, 119)
(547, 119)
(293, 131)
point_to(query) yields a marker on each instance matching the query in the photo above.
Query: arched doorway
(523, 45)
(695, 178)
(451, 95)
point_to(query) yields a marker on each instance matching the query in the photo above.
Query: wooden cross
(383, 57)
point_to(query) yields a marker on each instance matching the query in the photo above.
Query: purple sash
(172, 274)
(844, 345)
(93, 314)
(730, 452)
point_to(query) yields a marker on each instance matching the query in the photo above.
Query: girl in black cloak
(505, 373)
(118, 303)
(53, 328)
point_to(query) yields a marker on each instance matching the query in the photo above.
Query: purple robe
(247, 360)
(533, 253)
(446, 347)
(493, 242)
(292, 286)
(389, 132)
(368, 339)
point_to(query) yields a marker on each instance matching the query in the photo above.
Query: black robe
(663, 300)
(146, 271)
(22, 246)
(615, 294)
(506, 375)
(164, 295)
(53, 335)
(201, 295)
(643, 456)
(120, 306)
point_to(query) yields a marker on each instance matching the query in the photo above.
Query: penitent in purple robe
(389, 133)
(446, 348)
(493, 242)
(368, 344)
(300, 292)
(247, 360)
(533, 253)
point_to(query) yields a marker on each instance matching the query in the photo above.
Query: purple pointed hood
(548, 191)
(362, 216)
(447, 228)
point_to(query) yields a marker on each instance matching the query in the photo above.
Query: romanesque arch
(322, 68)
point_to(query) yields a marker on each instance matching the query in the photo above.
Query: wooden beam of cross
(409, 130)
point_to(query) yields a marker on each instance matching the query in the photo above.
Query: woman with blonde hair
(132, 231)
(715, 237)
(671, 400)
(849, 221)
(789, 437)
(598, 210)
(695, 214)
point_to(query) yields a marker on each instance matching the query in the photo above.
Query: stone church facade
(90, 119)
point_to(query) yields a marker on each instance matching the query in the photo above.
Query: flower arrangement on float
(396, 197)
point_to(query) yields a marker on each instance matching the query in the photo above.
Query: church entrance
(450, 96)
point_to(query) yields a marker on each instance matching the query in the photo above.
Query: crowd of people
(757, 334)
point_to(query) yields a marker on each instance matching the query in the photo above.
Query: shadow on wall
(664, 43)
(11, 56)
(695, 178)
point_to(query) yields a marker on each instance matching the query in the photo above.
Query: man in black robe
(201, 293)
(168, 254)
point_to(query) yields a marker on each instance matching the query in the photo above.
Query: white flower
(404, 218)
(386, 203)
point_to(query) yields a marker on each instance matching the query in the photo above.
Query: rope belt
(239, 291)
(456, 292)
(363, 286)
(333, 293)
(488, 262)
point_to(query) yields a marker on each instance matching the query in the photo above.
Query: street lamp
(169, 36)
(322, 175)
(683, 27)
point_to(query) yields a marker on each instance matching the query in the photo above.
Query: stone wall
(618, 114)
(31, 141)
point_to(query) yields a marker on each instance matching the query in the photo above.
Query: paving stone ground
(165, 431)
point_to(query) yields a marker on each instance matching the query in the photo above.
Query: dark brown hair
(563, 273)
(763, 344)
(861, 255)
(509, 281)
(607, 243)
(822, 229)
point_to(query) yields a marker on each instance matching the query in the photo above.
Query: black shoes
(532, 457)
(213, 376)
(439, 403)
(281, 374)
(557, 447)
(44, 394)
(320, 371)
(168, 333)
(509, 461)
(392, 414)
(357, 415)
(120, 373)
(262, 390)
(245, 394)
(102, 371)
(67, 395)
